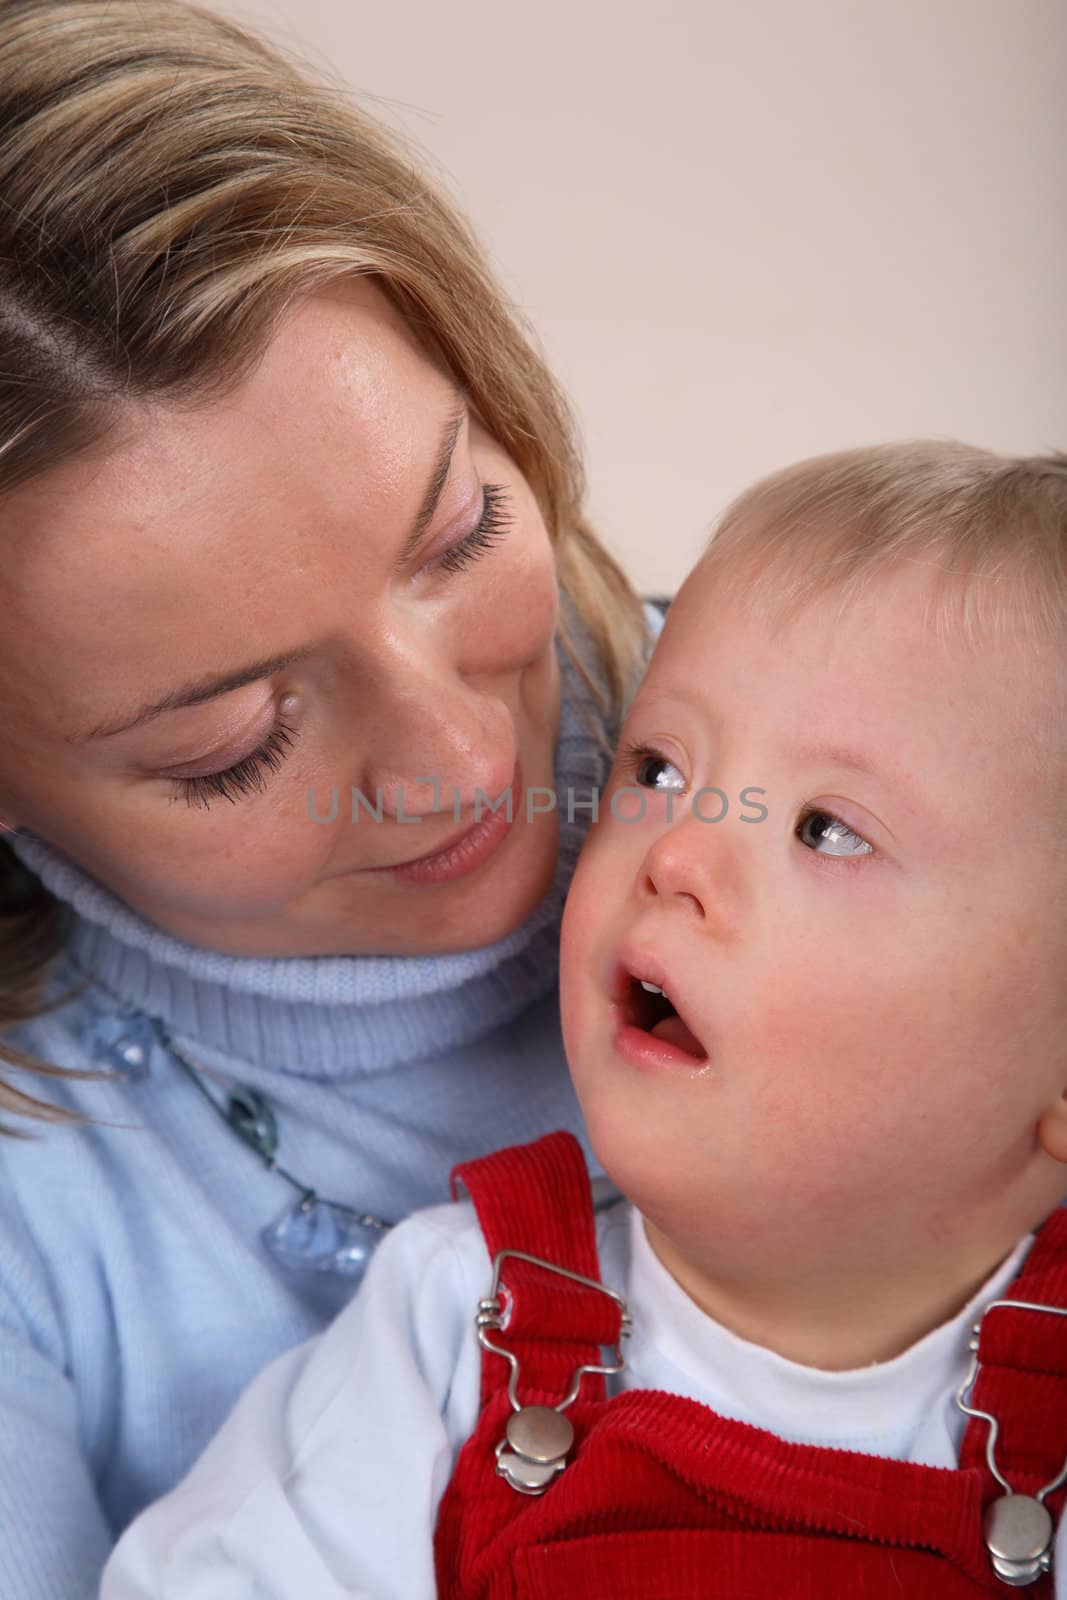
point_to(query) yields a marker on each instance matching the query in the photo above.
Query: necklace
(314, 1233)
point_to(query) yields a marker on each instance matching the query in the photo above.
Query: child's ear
(1052, 1129)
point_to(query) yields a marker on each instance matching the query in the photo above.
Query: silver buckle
(538, 1439)
(1017, 1528)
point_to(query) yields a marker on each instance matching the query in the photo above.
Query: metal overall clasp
(1017, 1528)
(538, 1439)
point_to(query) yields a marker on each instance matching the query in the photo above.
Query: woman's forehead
(341, 373)
(198, 518)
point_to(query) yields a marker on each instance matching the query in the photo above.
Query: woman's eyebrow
(200, 689)
(438, 478)
(194, 694)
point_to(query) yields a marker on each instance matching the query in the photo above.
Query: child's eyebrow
(917, 804)
(838, 755)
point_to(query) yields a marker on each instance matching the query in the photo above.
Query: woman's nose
(436, 742)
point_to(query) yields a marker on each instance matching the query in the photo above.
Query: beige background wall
(745, 230)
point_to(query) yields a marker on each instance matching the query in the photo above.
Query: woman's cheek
(511, 608)
(512, 619)
(225, 860)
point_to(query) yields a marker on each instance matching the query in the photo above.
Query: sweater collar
(329, 1016)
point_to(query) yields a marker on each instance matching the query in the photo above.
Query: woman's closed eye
(250, 774)
(246, 776)
(495, 521)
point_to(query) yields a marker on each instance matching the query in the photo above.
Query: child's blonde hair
(991, 528)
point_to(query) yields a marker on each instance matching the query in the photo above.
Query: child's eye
(650, 770)
(828, 836)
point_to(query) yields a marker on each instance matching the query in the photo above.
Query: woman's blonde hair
(991, 530)
(168, 184)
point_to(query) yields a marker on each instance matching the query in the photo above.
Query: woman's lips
(466, 851)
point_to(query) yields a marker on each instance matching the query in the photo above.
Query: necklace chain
(250, 1117)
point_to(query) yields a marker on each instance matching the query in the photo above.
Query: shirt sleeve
(326, 1477)
(54, 1538)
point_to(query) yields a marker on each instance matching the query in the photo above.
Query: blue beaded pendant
(124, 1040)
(315, 1236)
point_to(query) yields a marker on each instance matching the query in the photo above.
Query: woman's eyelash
(248, 775)
(243, 777)
(495, 522)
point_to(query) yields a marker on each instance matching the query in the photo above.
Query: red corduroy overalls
(663, 1499)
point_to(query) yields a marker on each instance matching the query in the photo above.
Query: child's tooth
(651, 987)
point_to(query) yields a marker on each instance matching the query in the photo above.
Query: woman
(288, 511)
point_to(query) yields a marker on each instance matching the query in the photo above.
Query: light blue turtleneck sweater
(136, 1296)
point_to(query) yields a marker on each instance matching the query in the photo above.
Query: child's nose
(698, 876)
(664, 876)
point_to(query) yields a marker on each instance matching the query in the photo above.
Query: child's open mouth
(651, 1024)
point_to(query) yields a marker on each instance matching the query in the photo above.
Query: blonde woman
(309, 666)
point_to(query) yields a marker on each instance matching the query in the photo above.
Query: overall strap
(1021, 1378)
(535, 1198)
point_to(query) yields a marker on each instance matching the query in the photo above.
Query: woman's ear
(1052, 1129)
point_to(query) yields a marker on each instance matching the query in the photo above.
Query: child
(815, 1002)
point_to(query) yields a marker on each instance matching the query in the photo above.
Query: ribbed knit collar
(329, 1016)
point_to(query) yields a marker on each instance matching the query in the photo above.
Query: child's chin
(637, 1162)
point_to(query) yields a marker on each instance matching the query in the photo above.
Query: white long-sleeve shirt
(325, 1481)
